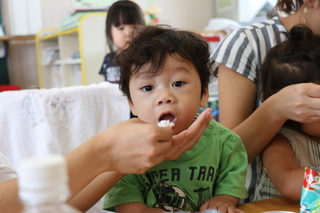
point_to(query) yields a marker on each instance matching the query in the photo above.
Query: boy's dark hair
(296, 60)
(122, 12)
(151, 45)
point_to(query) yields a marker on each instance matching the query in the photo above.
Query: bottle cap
(43, 178)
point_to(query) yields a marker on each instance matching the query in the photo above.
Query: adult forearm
(92, 193)
(259, 128)
(9, 199)
(85, 164)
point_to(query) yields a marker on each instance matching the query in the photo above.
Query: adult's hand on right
(298, 102)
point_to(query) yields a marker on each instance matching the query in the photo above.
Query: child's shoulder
(224, 139)
(216, 129)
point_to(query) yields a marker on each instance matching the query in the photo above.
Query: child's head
(293, 61)
(165, 75)
(122, 17)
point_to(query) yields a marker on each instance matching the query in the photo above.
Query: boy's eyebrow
(182, 68)
(145, 73)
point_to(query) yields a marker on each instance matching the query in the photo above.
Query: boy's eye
(147, 88)
(178, 84)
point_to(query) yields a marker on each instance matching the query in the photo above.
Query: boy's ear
(132, 108)
(204, 98)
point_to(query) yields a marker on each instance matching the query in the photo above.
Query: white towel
(34, 122)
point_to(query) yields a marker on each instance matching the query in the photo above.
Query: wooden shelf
(10, 38)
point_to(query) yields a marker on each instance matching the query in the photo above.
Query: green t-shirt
(215, 165)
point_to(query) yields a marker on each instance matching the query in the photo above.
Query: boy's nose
(166, 98)
(164, 101)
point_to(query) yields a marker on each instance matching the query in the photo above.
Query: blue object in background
(213, 103)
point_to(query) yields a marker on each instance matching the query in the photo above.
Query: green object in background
(73, 20)
(92, 3)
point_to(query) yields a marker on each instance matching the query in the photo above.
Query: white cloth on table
(44, 121)
(56, 120)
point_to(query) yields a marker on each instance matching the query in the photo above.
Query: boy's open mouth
(167, 116)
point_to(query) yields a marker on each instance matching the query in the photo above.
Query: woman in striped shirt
(238, 59)
(297, 145)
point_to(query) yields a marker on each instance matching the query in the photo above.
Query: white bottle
(43, 185)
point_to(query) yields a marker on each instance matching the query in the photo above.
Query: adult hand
(135, 146)
(188, 138)
(299, 102)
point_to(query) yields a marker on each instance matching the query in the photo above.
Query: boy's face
(173, 95)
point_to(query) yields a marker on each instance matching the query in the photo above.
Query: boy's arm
(136, 207)
(223, 203)
(282, 168)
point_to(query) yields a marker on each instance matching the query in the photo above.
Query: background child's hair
(151, 45)
(122, 12)
(296, 60)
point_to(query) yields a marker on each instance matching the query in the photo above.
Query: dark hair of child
(122, 12)
(288, 6)
(151, 45)
(296, 60)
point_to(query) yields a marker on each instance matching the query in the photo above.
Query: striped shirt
(306, 152)
(243, 50)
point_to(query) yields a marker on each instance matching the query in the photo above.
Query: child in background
(122, 18)
(165, 74)
(297, 145)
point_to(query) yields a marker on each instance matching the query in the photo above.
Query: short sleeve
(244, 49)
(236, 52)
(6, 171)
(232, 168)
